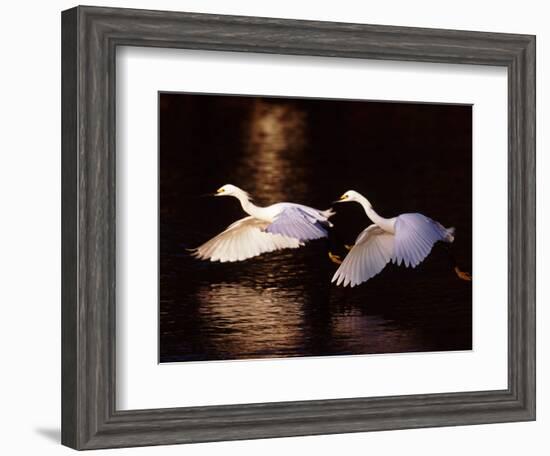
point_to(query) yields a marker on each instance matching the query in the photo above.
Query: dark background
(404, 157)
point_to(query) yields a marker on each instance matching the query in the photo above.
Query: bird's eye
(343, 197)
(220, 190)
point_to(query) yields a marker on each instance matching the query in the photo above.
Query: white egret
(407, 239)
(275, 227)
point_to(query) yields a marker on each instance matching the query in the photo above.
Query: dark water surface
(403, 157)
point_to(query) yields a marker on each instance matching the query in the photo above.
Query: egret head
(349, 196)
(230, 190)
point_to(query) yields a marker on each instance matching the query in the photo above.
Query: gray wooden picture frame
(90, 36)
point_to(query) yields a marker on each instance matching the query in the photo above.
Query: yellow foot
(348, 246)
(463, 275)
(334, 258)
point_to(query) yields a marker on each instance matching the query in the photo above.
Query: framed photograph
(261, 288)
(279, 228)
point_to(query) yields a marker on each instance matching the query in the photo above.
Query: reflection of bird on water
(275, 227)
(407, 238)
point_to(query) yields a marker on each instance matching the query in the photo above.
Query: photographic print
(295, 227)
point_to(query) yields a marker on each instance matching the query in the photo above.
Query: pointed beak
(342, 199)
(219, 192)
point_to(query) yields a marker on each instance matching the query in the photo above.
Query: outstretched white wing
(243, 239)
(373, 249)
(415, 235)
(300, 222)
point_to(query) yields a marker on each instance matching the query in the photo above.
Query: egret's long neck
(247, 205)
(384, 223)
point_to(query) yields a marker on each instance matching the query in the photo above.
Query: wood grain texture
(69, 286)
(89, 39)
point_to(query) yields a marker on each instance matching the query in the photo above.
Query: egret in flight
(407, 239)
(265, 229)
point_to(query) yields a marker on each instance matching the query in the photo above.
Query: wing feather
(243, 239)
(415, 236)
(300, 222)
(373, 249)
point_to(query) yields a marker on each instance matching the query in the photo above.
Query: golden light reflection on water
(255, 321)
(264, 320)
(275, 138)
